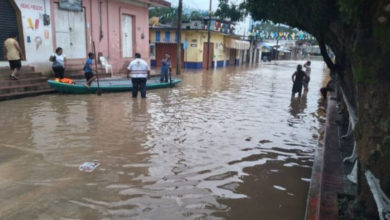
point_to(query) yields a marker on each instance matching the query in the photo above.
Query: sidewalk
(328, 180)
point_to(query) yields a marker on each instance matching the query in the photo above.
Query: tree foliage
(358, 33)
(169, 15)
(166, 15)
(312, 16)
(229, 11)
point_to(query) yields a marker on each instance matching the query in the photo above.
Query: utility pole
(208, 38)
(178, 58)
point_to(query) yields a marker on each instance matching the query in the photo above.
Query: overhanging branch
(326, 57)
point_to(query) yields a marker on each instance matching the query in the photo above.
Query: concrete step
(68, 74)
(79, 61)
(16, 95)
(22, 81)
(6, 70)
(23, 75)
(73, 68)
(24, 88)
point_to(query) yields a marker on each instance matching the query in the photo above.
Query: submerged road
(225, 144)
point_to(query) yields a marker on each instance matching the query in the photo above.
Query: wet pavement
(227, 144)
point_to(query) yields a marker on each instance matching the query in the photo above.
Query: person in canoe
(88, 70)
(165, 67)
(139, 71)
(59, 63)
(297, 79)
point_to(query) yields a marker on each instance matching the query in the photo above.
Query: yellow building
(225, 49)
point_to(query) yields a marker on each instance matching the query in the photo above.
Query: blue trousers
(139, 84)
(164, 75)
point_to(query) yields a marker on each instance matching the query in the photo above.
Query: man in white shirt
(138, 69)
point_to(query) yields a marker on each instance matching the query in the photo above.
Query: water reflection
(227, 143)
(298, 105)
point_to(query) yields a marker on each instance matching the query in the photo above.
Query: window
(167, 36)
(157, 36)
(152, 50)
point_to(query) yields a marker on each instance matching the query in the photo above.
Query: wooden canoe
(108, 85)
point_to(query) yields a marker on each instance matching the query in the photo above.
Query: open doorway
(10, 24)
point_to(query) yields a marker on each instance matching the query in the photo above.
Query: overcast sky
(196, 4)
(199, 4)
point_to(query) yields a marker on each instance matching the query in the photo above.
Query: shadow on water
(224, 144)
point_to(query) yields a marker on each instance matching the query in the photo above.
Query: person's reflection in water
(164, 98)
(61, 106)
(298, 105)
(139, 107)
(140, 116)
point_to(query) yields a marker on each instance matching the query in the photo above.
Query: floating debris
(279, 188)
(88, 166)
(264, 141)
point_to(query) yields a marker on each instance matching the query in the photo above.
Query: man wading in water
(139, 71)
(297, 79)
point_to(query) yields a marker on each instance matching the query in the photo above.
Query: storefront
(119, 28)
(9, 23)
(224, 48)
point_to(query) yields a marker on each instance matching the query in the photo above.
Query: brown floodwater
(224, 144)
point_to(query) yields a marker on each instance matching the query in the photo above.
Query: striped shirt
(138, 68)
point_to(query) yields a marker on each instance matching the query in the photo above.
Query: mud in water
(224, 144)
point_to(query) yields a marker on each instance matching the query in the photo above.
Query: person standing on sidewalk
(139, 71)
(14, 55)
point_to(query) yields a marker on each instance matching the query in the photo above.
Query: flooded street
(228, 144)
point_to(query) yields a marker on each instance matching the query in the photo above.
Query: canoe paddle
(170, 77)
(98, 91)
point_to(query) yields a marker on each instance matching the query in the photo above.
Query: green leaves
(349, 11)
(228, 11)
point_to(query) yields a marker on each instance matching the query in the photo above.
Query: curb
(326, 180)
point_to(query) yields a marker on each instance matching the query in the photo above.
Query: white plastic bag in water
(88, 166)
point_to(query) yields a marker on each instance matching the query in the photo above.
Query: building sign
(71, 5)
(31, 7)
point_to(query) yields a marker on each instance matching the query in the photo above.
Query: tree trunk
(366, 84)
(373, 138)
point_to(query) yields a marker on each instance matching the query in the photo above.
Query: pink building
(119, 28)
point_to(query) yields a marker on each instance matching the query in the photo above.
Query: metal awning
(266, 45)
(236, 44)
(155, 3)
